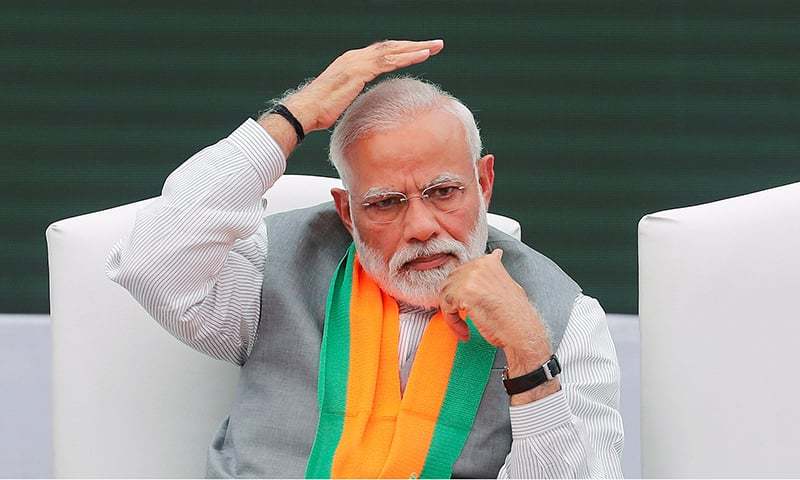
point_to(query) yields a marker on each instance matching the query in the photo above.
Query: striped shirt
(195, 261)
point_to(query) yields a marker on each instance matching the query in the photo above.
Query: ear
(486, 176)
(342, 202)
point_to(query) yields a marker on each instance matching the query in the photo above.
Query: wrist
(303, 111)
(528, 356)
(522, 362)
(544, 390)
(280, 130)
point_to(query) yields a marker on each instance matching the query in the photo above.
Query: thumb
(497, 253)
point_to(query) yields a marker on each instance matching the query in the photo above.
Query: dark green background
(598, 112)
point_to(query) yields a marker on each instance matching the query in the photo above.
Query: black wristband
(533, 379)
(285, 113)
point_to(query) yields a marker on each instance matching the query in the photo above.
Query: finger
(453, 315)
(435, 46)
(447, 301)
(406, 46)
(458, 326)
(400, 60)
(497, 253)
(438, 46)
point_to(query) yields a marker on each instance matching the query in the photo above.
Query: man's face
(411, 255)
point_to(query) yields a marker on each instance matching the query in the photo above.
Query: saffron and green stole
(366, 430)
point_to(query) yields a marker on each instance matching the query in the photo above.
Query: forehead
(410, 156)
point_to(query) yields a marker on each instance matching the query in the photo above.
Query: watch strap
(533, 379)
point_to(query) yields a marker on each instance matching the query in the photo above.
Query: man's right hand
(319, 104)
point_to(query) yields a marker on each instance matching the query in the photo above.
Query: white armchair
(718, 303)
(128, 399)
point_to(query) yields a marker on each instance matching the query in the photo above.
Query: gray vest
(273, 421)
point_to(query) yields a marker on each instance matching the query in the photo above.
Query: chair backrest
(129, 400)
(718, 287)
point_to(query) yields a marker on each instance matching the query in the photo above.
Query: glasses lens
(384, 208)
(446, 197)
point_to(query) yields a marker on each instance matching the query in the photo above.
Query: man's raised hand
(320, 103)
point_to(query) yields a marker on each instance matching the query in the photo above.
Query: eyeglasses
(387, 207)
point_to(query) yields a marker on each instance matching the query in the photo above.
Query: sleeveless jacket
(273, 421)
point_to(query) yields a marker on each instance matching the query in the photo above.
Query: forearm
(181, 244)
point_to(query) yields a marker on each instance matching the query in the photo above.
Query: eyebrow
(442, 178)
(445, 177)
(375, 191)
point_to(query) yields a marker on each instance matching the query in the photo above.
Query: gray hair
(388, 104)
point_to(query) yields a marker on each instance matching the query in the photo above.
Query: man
(374, 334)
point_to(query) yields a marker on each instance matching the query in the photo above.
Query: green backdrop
(598, 112)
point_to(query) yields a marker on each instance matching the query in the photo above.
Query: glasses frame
(424, 195)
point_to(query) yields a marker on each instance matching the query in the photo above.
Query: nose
(419, 222)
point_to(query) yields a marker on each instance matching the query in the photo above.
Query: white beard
(421, 287)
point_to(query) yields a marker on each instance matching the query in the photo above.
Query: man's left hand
(500, 310)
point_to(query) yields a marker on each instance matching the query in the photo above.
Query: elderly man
(392, 333)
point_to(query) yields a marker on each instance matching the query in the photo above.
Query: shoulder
(322, 216)
(307, 233)
(318, 222)
(524, 261)
(548, 287)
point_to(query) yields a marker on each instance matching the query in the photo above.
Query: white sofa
(718, 293)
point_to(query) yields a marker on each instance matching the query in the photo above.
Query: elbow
(123, 273)
(144, 284)
(113, 267)
(124, 269)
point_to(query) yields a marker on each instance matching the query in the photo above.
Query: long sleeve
(195, 256)
(576, 432)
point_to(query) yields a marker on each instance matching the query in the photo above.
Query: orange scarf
(366, 430)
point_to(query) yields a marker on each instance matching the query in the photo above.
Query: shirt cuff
(537, 417)
(261, 150)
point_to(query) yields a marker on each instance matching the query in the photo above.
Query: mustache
(434, 246)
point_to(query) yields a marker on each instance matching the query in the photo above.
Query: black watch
(532, 380)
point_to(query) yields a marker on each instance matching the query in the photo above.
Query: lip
(428, 262)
